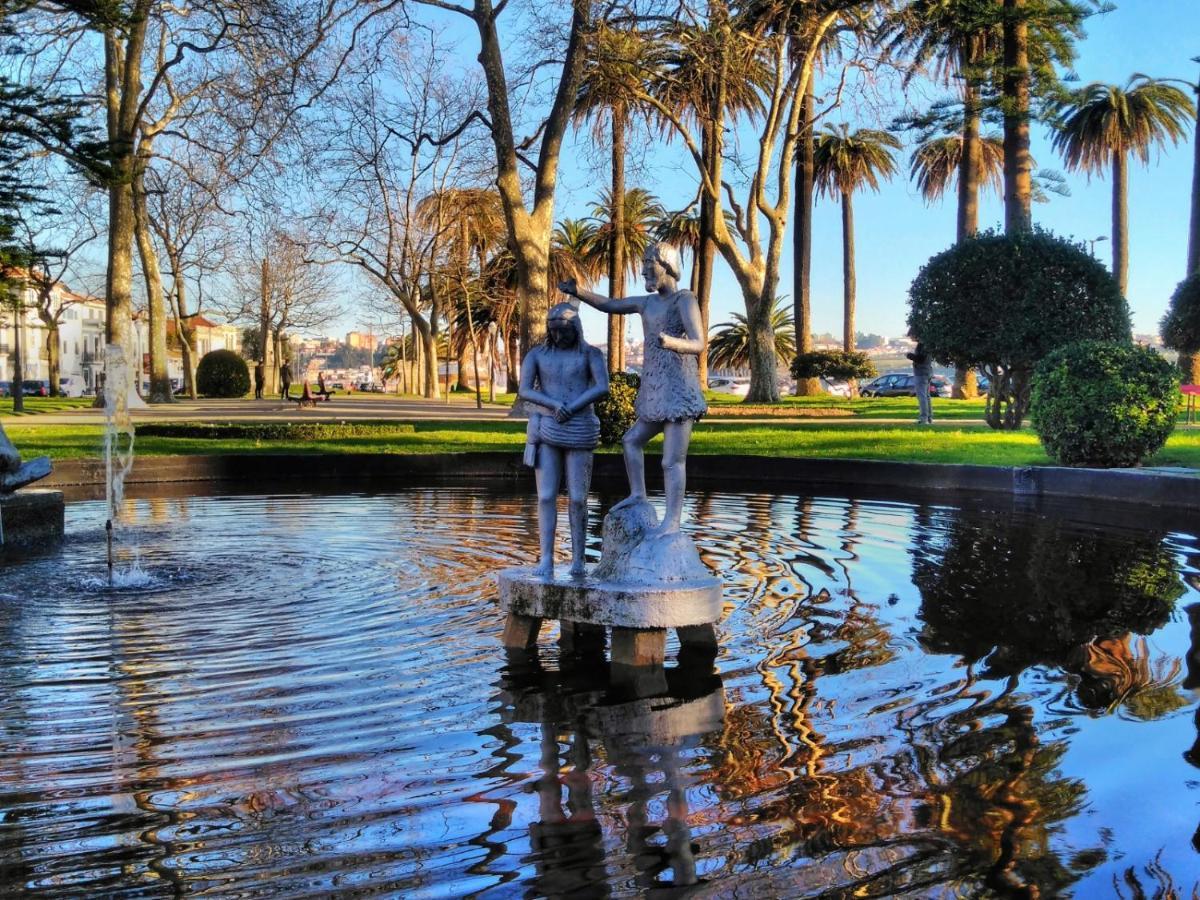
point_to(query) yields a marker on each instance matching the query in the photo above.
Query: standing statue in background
(562, 378)
(670, 399)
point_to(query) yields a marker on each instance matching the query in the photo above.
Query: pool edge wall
(31, 518)
(1155, 488)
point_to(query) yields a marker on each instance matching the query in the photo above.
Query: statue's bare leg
(579, 478)
(634, 442)
(676, 437)
(549, 475)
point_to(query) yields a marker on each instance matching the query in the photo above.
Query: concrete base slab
(30, 518)
(596, 602)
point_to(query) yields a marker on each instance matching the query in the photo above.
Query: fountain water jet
(118, 459)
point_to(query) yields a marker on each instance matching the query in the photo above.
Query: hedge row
(274, 431)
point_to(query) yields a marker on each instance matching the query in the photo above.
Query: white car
(836, 387)
(722, 385)
(71, 385)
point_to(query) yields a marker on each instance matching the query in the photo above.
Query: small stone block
(31, 518)
(521, 632)
(637, 647)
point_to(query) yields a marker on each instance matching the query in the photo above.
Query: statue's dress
(670, 390)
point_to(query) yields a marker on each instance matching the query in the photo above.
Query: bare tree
(377, 170)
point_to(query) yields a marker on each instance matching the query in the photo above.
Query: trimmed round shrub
(1002, 302)
(1180, 327)
(1103, 404)
(833, 364)
(222, 373)
(616, 410)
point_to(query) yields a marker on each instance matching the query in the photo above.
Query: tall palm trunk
(848, 280)
(965, 383)
(18, 389)
(616, 247)
(1120, 220)
(160, 378)
(706, 250)
(1193, 260)
(1018, 165)
(802, 241)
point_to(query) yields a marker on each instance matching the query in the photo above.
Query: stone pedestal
(30, 518)
(645, 584)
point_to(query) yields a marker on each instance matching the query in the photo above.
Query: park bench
(310, 397)
(1190, 391)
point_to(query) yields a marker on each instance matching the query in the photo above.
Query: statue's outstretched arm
(621, 306)
(689, 311)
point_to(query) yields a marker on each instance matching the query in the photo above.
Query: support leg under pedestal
(639, 647)
(580, 637)
(698, 638)
(521, 632)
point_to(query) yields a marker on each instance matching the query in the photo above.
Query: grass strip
(273, 431)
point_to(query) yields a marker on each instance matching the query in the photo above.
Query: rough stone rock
(628, 556)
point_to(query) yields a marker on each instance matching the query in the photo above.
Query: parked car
(836, 387)
(71, 385)
(5, 389)
(32, 387)
(897, 384)
(724, 385)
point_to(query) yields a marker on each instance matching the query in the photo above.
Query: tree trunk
(1193, 366)
(706, 250)
(764, 383)
(512, 358)
(53, 357)
(462, 382)
(187, 333)
(965, 384)
(17, 388)
(264, 320)
(802, 242)
(1193, 260)
(616, 248)
(160, 378)
(1120, 221)
(1018, 165)
(848, 281)
(969, 165)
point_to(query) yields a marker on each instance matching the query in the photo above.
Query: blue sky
(896, 232)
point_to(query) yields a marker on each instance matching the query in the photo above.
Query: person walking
(260, 378)
(285, 381)
(922, 371)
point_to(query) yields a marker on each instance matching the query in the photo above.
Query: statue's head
(660, 262)
(564, 329)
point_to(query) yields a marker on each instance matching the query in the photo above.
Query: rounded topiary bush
(1104, 404)
(616, 410)
(222, 373)
(1002, 302)
(839, 364)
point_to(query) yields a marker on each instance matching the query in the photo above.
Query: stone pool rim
(1155, 487)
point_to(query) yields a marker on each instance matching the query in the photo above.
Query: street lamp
(1094, 241)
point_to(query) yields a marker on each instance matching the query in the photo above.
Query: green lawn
(849, 440)
(36, 405)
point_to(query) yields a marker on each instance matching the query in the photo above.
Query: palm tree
(640, 215)
(843, 163)
(613, 76)
(573, 253)
(1102, 125)
(681, 230)
(729, 346)
(937, 163)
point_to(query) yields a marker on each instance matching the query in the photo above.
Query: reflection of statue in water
(563, 378)
(670, 399)
(14, 474)
(643, 739)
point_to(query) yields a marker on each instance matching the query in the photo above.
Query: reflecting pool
(305, 695)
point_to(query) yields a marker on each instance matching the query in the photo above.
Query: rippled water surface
(306, 695)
